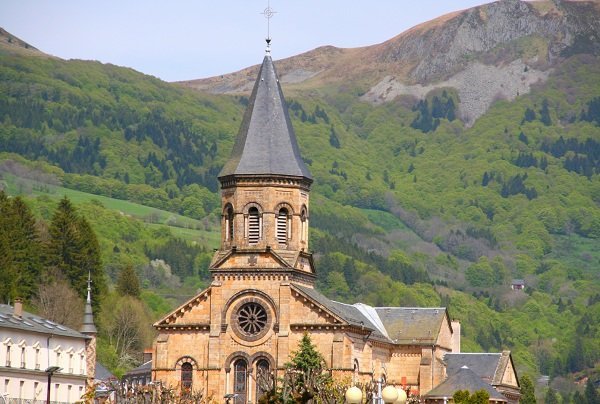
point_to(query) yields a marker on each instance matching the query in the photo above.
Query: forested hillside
(410, 206)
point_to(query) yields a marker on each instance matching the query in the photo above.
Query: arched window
(229, 224)
(282, 226)
(186, 377)
(303, 221)
(263, 378)
(253, 226)
(240, 379)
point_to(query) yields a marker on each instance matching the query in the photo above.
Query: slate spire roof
(266, 143)
(88, 326)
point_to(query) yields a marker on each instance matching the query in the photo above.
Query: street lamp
(354, 395)
(389, 394)
(401, 396)
(50, 371)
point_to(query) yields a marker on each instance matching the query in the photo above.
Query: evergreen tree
(333, 139)
(19, 249)
(591, 394)
(307, 358)
(527, 390)
(128, 283)
(551, 397)
(73, 250)
(545, 113)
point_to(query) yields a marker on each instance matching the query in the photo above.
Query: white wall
(30, 382)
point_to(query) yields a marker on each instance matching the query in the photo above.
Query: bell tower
(265, 189)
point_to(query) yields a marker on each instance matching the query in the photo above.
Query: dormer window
(253, 226)
(283, 227)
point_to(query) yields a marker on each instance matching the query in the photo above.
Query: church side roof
(400, 325)
(32, 323)
(483, 364)
(266, 143)
(412, 324)
(349, 313)
(464, 379)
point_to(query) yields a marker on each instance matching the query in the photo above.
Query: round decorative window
(252, 319)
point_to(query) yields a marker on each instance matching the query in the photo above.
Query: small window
(253, 226)
(22, 357)
(229, 224)
(282, 226)
(186, 377)
(8, 356)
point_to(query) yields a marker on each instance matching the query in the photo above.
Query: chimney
(147, 355)
(18, 312)
(455, 336)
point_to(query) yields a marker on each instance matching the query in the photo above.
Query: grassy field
(18, 186)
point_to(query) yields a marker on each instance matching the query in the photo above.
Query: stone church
(262, 298)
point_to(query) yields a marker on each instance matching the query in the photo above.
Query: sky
(184, 39)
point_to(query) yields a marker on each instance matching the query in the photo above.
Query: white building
(29, 345)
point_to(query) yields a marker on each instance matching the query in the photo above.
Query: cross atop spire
(268, 13)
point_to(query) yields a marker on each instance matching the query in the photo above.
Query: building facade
(262, 298)
(30, 345)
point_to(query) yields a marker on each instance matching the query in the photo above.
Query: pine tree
(551, 397)
(73, 250)
(128, 283)
(19, 249)
(307, 358)
(527, 390)
(591, 394)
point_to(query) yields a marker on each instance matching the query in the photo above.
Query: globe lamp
(401, 396)
(389, 394)
(354, 395)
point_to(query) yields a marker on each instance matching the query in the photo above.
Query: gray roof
(102, 373)
(266, 143)
(401, 325)
(483, 364)
(464, 379)
(33, 323)
(412, 324)
(144, 368)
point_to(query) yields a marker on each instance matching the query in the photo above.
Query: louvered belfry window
(282, 226)
(253, 226)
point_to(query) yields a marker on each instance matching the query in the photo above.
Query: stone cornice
(232, 181)
(183, 327)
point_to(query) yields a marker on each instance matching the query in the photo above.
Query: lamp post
(50, 371)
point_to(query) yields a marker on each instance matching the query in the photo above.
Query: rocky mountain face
(495, 51)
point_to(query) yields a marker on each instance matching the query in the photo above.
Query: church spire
(88, 326)
(266, 143)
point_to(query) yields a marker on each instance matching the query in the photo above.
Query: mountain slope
(405, 194)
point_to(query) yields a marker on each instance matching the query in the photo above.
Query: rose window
(252, 318)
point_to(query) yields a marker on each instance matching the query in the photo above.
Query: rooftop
(266, 143)
(33, 323)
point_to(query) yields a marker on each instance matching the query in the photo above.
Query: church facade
(262, 297)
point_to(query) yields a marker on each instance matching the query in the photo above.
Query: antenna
(268, 13)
